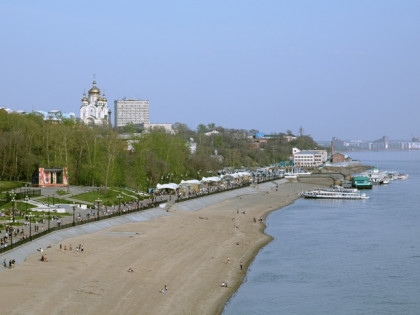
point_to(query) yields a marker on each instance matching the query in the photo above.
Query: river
(342, 256)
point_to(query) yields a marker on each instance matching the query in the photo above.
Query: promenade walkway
(21, 252)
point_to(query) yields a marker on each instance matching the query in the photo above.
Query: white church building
(94, 108)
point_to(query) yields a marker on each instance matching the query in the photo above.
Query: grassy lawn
(7, 185)
(110, 198)
(19, 206)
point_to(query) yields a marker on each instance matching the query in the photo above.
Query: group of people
(10, 231)
(79, 248)
(11, 263)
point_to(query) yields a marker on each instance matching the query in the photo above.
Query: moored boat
(361, 182)
(328, 194)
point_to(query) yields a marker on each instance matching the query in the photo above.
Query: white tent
(167, 186)
(230, 176)
(191, 181)
(211, 179)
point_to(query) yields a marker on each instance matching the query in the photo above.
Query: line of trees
(98, 156)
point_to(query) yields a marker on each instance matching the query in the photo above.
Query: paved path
(20, 253)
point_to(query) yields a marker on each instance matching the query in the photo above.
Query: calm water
(342, 257)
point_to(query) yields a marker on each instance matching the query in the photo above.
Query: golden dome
(94, 89)
(104, 98)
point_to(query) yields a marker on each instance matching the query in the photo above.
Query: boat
(395, 176)
(361, 182)
(337, 188)
(328, 194)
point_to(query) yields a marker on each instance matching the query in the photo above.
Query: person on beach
(241, 265)
(228, 259)
(165, 289)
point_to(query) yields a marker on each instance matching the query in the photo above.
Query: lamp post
(53, 199)
(26, 203)
(49, 218)
(74, 209)
(99, 203)
(119, 208)
(30, 224)
(11, 235)
(13, 206)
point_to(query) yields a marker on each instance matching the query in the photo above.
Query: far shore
(191, 253)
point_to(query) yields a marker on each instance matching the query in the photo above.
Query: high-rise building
(131, 111)
(94, 108)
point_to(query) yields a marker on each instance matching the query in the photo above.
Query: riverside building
(133, 111)
(94, 108)
(309, 158)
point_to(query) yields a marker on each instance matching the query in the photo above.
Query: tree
(201, 128)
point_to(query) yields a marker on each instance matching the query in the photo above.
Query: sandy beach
(187, 251)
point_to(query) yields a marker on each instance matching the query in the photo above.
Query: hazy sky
(349, 69)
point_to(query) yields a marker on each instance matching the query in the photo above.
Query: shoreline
(187, 251)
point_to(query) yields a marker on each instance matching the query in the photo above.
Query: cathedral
(94, 109)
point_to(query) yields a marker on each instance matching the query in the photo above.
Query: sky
(348, 69)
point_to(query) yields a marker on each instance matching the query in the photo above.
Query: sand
(187, 251)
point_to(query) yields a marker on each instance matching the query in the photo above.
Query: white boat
(376, 177)
(328, 194)
(341, 189)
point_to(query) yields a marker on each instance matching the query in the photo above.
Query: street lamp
(26, 202)
(13, 205)
(119, 208)
(30, 224)
(98, 201)
(74, 209)
(11, 235)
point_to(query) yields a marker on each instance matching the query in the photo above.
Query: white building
(131, 111)
(309, 158)
(94, 108)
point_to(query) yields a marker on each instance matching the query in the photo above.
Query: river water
(342, 256)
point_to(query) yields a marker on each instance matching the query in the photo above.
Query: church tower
(94, 109)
